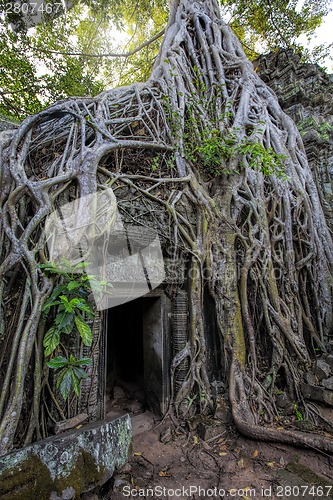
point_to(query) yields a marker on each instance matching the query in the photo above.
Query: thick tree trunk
(258, 242)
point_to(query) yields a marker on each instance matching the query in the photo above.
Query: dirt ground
(243, 469)
(212, 460)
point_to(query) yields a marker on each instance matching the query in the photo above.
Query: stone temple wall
(305, 93)
(6, 123)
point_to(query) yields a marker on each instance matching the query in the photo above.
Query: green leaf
(74, 302)
(84, 331)
(51, 340)
(65, 303)
(80, 265)
(64, 382)
(84, 306)
(83, 362)
(50, 266)
(91, 277)
(51, 300)
(64, 321)
(52, 269)
(80, 373)
(58, 362)
(66, 263)
(57, 291)
(73, 285)
(48, 304)
(76, 384)
(68, 329)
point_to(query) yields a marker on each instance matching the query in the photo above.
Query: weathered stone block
(322, 369)
(223, 412)
(64, 466)
(328, 383)
(310, 378)
(166, 436)
(329, 360)
(316, 393)
(208, 432)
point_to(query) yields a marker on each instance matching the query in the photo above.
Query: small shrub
(71, 307)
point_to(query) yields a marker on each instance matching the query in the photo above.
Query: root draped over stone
(258, 245)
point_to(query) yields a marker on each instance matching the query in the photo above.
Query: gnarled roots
(258, 245)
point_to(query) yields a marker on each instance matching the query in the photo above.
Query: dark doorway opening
(125, 346)
(138, 354)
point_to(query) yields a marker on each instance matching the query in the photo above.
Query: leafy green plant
(264, 160)
(155, 163)
(203, 397)
(215, 151)
(69, 299)
(190, 400)
(211, 151)
(198, 80)
(71, 374)
(70, 302)
(298, 414)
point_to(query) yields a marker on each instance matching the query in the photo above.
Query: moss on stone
(27, 480)
(77, 461)
(31, 479)
(84, 475)
(323, 129)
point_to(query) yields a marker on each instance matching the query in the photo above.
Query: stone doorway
(138, 353)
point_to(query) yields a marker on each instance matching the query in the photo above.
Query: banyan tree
(203, 155)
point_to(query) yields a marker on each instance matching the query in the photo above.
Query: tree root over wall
(258, 244)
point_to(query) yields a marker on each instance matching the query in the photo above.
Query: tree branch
(108, 54)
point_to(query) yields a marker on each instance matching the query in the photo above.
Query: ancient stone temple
(305, 93)
(135, 342)
(239, 311)
(154, 327)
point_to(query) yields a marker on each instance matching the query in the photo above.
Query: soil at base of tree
(166, 463)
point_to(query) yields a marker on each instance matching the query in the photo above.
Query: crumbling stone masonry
(305, 93)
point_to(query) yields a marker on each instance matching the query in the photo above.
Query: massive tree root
(257, 244)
